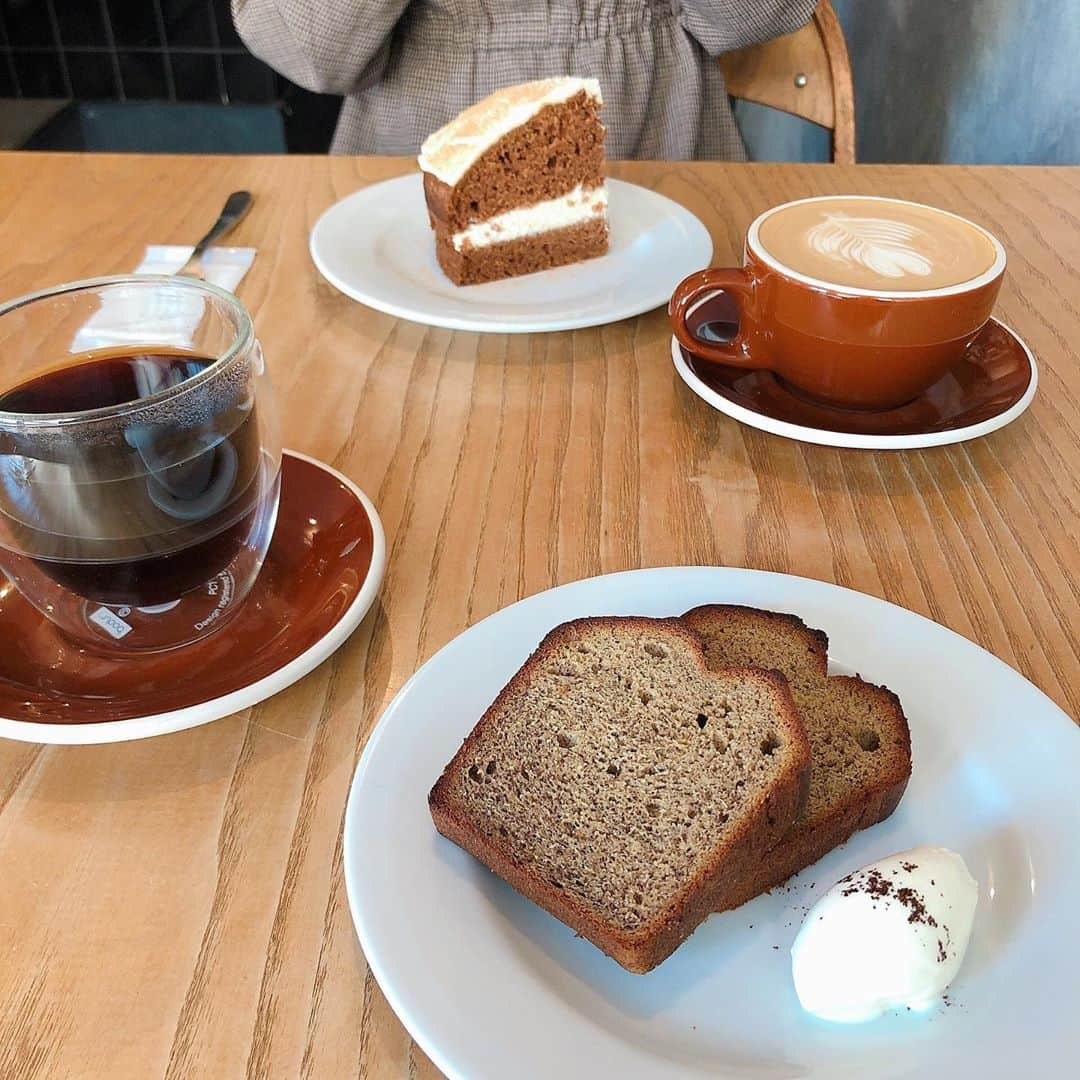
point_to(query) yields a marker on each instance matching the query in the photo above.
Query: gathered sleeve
(720, 26)
(328, 46)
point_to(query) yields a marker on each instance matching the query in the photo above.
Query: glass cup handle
(747, 348)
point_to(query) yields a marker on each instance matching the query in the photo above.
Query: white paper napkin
(224, 266)
(165, 317)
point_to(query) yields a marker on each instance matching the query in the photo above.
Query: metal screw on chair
(800, 80)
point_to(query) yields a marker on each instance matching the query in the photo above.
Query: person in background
(406, 67)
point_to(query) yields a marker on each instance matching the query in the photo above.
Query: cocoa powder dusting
(874, 883)
(917, 912)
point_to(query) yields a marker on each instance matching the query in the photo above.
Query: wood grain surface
(176, 907)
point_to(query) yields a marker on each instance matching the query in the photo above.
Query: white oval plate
(492, 987)
(376, 246)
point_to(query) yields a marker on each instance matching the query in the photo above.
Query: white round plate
(492, 987)
(247, 693)
(855, 441)
(376, 246)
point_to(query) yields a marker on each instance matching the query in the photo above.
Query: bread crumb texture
(616, 763)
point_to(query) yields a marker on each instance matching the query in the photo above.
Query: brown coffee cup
(858, 346)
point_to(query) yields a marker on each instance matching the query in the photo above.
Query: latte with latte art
(877, 244)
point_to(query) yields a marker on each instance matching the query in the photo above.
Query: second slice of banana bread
(859, 740)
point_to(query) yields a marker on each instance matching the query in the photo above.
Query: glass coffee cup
(139, 458)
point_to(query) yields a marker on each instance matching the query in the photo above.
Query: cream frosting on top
(449, 152)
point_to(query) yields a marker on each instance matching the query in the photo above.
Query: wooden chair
(807, 73)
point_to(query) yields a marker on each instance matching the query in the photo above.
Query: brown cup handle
(736, 282)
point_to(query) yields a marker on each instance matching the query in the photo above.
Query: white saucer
(492, 987)
(376, 246)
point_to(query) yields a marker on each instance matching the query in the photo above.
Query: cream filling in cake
(450, 152)
(577, 206)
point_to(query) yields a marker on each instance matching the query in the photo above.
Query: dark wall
(148, 50)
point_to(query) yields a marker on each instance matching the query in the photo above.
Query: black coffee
(102, 382)
(133, 509)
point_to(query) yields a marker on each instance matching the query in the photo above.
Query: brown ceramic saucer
(989, 388)
(321, 574)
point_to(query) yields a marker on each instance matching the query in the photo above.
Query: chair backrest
(806, 73)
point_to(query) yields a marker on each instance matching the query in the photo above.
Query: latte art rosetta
(887, 248)
(864, 242)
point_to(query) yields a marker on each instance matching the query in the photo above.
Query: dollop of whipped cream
(890, 935)
(888, 248)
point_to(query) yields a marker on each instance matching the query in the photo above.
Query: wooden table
(176, 907)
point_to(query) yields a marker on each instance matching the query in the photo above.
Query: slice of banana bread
(859, 739)
(623, 786)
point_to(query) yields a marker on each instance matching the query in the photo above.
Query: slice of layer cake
(515, 183)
